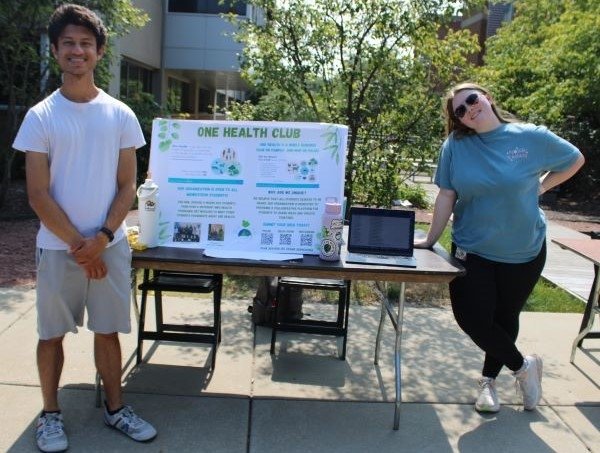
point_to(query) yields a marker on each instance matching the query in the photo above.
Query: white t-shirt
(82, 141)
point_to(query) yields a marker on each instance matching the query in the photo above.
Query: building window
(221, 100)
(134, 79)
(178, 96)
(204, 100)
(208, 6)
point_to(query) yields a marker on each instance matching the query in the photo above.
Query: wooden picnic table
(590, 250)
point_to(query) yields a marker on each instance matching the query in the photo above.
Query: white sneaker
(529, 379)
(488, 399)
(131, 424)
(50, 433)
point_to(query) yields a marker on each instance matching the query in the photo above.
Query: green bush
(416, 194)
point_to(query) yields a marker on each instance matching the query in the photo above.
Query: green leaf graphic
(164, 146)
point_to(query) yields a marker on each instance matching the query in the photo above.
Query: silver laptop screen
(381, 231)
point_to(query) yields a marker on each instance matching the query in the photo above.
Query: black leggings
(487, 302)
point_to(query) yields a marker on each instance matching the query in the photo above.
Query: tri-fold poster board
(246, 185)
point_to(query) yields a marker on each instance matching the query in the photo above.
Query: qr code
(285, 239)
(306, 240)
(266, 238)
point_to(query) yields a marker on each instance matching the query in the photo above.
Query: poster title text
(248, 132)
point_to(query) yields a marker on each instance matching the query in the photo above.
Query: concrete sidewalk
(304, 398)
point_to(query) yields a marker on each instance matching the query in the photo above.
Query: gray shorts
(64, 292)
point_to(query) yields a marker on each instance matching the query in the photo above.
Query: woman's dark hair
(454, 124)
(70, 14)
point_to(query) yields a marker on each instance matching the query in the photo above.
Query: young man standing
(81, 174)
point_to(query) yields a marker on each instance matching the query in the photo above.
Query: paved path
(304, 398)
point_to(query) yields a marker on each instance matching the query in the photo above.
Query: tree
(146, 110)
(26, 73)
(369, 64)
(544, 66)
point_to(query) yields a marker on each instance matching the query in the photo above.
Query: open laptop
(382, 237)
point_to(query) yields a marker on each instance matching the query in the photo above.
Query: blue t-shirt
(496, 179)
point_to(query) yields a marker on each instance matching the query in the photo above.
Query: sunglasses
(472, 99)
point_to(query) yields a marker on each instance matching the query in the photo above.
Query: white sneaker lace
(131, 417)
(52, 426)
(520, 376)
(487, 400)
(518, 390)
(486, 383)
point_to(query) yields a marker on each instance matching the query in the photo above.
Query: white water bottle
(331, 231)
(148, 211)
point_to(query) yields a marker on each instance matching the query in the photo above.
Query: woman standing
(490, 173)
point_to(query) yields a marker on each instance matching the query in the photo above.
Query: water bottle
(148, 211)
(331, 231)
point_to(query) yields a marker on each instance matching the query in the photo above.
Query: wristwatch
(109, 234)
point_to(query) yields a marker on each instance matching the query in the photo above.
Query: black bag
(265, 301)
